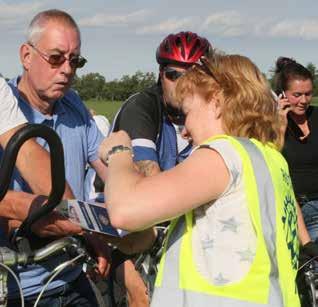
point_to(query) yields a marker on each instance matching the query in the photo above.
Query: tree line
(95, 86)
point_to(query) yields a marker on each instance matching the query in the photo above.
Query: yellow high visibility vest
(272, 207)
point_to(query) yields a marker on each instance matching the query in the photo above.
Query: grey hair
(39, 22)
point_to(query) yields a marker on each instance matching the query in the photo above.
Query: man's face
(50, 82)
(169, 76)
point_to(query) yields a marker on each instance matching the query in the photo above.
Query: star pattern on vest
(230, 224)
(220, 280)
(235, 175)
(246, 255)
(207, 243)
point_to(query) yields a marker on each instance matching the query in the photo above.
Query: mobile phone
(283, 94)
(293, 128)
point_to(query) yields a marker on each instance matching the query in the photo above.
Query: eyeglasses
(56, 60)
(172, 74)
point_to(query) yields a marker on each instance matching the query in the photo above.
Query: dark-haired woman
(294, 87)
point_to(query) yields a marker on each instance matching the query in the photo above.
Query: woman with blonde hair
(233, 235)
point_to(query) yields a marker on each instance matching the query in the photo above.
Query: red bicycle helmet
(182, 48)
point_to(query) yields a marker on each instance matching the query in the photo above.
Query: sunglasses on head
(205, 66)
(172, 74)
(56, 60)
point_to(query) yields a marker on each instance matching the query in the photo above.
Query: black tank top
(302, 158)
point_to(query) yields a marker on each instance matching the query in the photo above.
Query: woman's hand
(114, 139)
(284, 107)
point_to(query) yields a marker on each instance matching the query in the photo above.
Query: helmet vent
(195, 47)
(180, 46)
(183, 48)
(167, 46)
(188, 37)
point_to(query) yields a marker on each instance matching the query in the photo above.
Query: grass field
(109, 108)
(104, 107)
(315, 101)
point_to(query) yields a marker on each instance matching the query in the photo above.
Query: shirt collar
(32, 114)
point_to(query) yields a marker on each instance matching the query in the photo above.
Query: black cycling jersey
(153, 135)
(141, 115)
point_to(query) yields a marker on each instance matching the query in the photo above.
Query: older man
(33, 162)
(50, 57)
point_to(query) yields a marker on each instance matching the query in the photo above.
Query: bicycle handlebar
(57, 168)
(70, 244)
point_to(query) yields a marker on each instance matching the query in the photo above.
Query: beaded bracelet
(117, 149)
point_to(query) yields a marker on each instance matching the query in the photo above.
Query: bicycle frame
(307, 281)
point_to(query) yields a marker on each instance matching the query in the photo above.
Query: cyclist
(148, 116)
(152, 116)
(50, 57)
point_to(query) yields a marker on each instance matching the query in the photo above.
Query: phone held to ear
(293, 128)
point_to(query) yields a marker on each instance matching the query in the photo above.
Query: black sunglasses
(172, 74)
(75, 61)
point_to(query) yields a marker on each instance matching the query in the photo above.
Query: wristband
(117, 149)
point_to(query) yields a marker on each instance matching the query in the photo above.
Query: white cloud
(170, 25)
(306, 29)
(225, 18)
(102, 20)
(236, 24)
(225, 23)
(12, 14)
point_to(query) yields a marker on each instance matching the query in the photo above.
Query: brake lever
(90, 264)
(79, 248)
(78, 254)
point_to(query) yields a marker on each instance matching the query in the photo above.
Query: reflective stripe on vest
(179, 284)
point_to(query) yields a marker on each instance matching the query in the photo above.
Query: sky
(120, 37)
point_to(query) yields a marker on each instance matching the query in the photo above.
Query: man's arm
(148, 167)
(16, 206)
(100, 169)
(140, 118)
(10, 206)
(54, 224)
(34, 164)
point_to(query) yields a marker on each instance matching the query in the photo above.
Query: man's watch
(117, 149)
